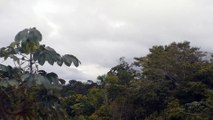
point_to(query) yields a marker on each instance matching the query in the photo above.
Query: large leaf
(28, 79)
(50, 59)
(62, 81)
(41, 59)
(29, 40)
(34, 35)
(36, 55)
(42, 80)
(66, 60)
(60, 62)
(31, 34)
(50, 49)
(51, 55)
(22, 35)
(42, 72)
(69, 59)
(53, 78)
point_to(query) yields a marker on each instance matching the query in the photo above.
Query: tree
(185, 74)
(176, 62)
(26, 92)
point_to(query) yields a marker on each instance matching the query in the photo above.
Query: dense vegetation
(172, 82)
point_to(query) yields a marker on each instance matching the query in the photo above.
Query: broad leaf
(24, 76)
(60, 62)
(22, 35)
(42, 80)
(62, 81)
(41, 59)
(50, 60)
(36, 55)
(68, 59)
(34, 35)
(28, 79)
(53, 78)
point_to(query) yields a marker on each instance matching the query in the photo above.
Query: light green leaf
(13, 44)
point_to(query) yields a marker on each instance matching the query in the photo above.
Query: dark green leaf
(53, 78)
(25, 76)
(75, 61)
(22, 35)
(62, 81)
(42, 72)
(50, 60)
(34, 35)
(60, 62)
(36, 55)
(52, 75)
(50, 49)
(68, 59)
(28, 79)
(42, 80)
(41, 59)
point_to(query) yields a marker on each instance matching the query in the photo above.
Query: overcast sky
(99, 32)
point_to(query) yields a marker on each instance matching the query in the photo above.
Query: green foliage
(174, 83)
(176, 62)
(26, 92)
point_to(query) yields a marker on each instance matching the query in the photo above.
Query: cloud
(99, 32)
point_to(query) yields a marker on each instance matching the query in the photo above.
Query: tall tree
(175, 62)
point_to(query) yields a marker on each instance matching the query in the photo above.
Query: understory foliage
(172, 82)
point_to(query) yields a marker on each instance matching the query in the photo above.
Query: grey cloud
(98, 32)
